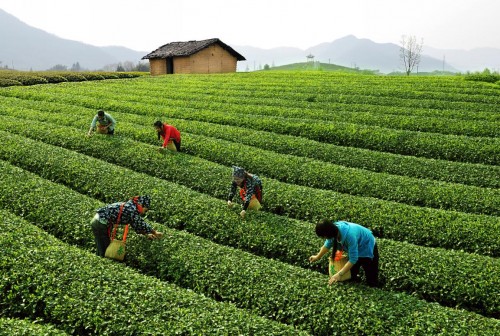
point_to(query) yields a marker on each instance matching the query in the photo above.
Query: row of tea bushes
(404, 266)
(179, 88)
(14, 78)
(81, 293)
(430, 145)
(23, 327)
(455, 100)
(401, 222)
(321, 175)
(314, 173)
(410, 166)
(258, 284)
(333, 114)
(446, 171)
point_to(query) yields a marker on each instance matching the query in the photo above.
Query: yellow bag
(254, 204)
(116, 250)
(171, 146)
(101, 130)
(336, 265)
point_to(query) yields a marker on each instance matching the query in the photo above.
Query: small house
(202, 57)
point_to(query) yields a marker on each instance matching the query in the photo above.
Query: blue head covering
(238, 172)
(145, 201)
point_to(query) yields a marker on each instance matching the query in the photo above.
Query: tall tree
(76, 67)
(410, 52)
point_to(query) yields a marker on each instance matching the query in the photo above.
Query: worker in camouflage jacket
(250, 190)
(129, 212)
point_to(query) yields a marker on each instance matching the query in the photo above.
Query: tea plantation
(415, 159)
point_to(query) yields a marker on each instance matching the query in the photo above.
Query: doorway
(170, 65)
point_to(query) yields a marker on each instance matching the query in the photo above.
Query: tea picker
(361, 247)
(250, 190)
(108, 218)
(170, 135)
(103, 123)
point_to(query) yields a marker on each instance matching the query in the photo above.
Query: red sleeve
(167, 130)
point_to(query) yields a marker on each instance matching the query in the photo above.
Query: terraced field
(414, 159)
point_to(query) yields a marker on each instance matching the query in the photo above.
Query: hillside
(28, 48)
(317, 66)
(349, 52)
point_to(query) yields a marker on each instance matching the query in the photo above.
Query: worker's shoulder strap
(125, 231)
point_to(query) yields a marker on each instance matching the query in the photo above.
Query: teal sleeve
(93, 124)
(113, 121)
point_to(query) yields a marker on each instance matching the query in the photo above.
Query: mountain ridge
(28, 48)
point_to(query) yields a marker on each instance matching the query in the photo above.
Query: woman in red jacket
(168, 133)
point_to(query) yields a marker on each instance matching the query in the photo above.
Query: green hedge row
(334, 114)
(322, 175)
(401, 222)
(470, 174)
(198, 91)
(446, 171)
(319, 174)
(403, 265)
(483, 77)
(181, 94)
(45, 77)
(382, 95)
(20, 327)
(199, 87)
(437, 146)
(81, 293)
(9, 82)
(279, 291)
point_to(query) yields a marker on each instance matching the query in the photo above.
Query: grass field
(415, 159)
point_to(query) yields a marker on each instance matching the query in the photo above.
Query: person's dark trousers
(101, 236)
(111, 131)
(370, 266)
(177, 145)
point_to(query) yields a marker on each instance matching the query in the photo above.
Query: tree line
(126, 66)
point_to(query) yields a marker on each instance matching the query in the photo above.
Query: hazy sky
(144, 25)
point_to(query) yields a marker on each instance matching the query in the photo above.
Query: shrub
(74, 77)
(20, 327)
(52, 78)
(9, 82)
(483, 77)
(27, 79)
(92, 76)
(404, 265)
(273, 289)
(84, 294)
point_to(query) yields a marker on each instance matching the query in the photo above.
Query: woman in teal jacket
(359, 243)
